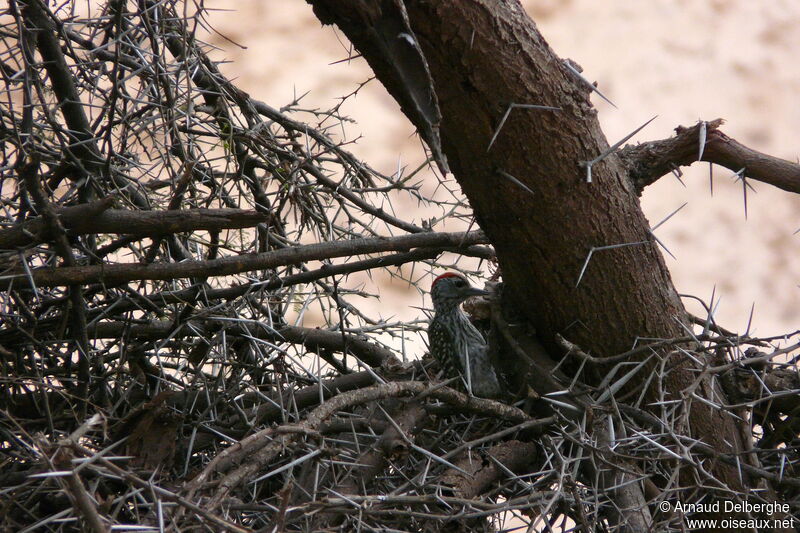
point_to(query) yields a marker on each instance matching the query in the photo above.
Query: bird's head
(450, 289)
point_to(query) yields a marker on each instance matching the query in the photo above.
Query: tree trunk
(529, 191)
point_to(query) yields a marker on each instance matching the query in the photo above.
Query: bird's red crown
(446, 275)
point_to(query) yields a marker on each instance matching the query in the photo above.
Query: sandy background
(681, 60)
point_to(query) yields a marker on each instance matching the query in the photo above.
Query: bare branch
(651, 160)
(95, 218)
(120, 273)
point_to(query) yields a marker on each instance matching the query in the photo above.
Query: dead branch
(96, 218)
(315, 340)
(478, 473)
(650, 160)
(120, 273)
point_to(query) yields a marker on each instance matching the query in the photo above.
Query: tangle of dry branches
(164, 234)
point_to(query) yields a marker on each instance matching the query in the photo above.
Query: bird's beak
(474, 291)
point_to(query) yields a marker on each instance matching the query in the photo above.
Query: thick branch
(774, 389)
(83, 502)
(314, 340)
(83, 146)
(121, 273)
(62, 82)
(96, 218)
(478, 474)
(311, 395)
(621, 481)
(651, 160)
(160, 300)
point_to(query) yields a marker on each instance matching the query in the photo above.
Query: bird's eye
(460, 283)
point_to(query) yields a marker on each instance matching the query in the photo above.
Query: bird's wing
(441, 345)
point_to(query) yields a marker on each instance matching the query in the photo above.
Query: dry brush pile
(164, 234)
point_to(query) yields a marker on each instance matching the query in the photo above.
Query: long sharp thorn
(750, 320)
(500, 126)
(744, 191)
(711, 177)
(664, 246)
(611, 149)
(703, 133)
(668, 217)
(599, 248)
(631, 134)
(588, 83)
(514, 180)
(583, 269)
(508, 112)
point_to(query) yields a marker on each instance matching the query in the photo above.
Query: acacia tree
(164, 232)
